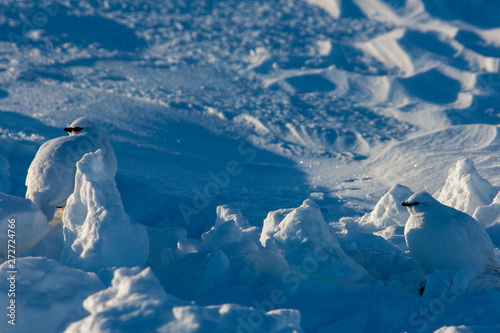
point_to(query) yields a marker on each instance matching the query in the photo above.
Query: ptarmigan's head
(420, 202)
(80, 126)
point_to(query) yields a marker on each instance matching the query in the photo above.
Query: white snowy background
(252, 137)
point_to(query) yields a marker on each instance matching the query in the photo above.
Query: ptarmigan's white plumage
(51, 175)
(441, 237)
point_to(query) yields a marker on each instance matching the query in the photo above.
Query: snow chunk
(226, 233)
(465, 189)
(30, 223)
(49, 295)
(97, 231)
(308, 245)
(229, 227)
(395, 234)
(381, 259)
(136, 302)
(388, 210)
(227, 213)
(490, 214)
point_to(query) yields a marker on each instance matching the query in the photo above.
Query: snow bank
(26, 222)
(465, 189)
(97, 231)
(136, 302)
(388, 210)
(308, 245)
(48, 296)
(229, 227)
(489, 214)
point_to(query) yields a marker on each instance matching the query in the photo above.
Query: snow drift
(49, 295)
(97, 231)
(136, 302)
(27, 224)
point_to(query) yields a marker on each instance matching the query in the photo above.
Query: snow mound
(388, 210)
(229, 227)
(488, 215)
(308, 245)
(136, 302)
(48, 296)
(23, 221)
(97, 231)
(465, 189)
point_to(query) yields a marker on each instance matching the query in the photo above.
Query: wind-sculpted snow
(136, 302)
(97, 231)
(488, 215)
(22, 223)
(48, 296)
(465, 189)
(388, 210)
(308, 245)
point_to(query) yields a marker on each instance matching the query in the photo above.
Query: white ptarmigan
(51, 175)
(441, 237)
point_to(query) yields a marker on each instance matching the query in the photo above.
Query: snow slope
(237, 122)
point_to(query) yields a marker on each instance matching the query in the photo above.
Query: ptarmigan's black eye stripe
(409, 204)
(73, 129)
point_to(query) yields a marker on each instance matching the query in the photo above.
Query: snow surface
(234, 122)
